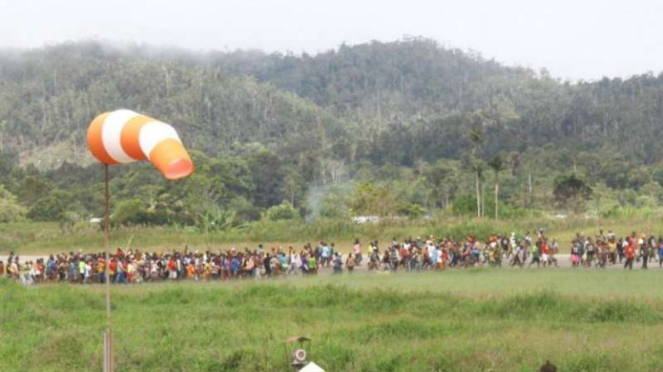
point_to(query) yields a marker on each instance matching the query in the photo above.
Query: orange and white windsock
(124, 136)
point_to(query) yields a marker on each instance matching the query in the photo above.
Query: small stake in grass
(548, 367)
(108, 352)
(299, 355)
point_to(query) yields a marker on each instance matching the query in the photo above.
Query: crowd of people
(607, 249)
(133, 266)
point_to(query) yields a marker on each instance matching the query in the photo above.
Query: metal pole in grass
(108, 340)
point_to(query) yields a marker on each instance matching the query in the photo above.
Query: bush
(244, 210)
(50, 208)
(68, 220)
(130, 212)
(283, 211)
(410, 209)
(464, 206)
(645, 201)
(622, 311)
(10, 210)
(215, 220)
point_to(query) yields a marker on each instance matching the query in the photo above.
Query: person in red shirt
(545, 253)
(404, 255)
(172, 269)
(113, 270)
(629, 252)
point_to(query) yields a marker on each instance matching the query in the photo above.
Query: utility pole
(529, 189)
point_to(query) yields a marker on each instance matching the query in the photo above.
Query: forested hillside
(399, 128)
(415, 84)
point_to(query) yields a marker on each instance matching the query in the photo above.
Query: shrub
(130, 212)
(410, 209)
(283, 211)
(10, 210)
(464, 206)
(49, 208)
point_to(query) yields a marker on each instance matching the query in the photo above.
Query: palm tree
(497, 165)
(476, 136)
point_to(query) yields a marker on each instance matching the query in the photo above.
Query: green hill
(48, 97)
(273, 127)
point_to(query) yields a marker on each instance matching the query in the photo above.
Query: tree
(497, 165)
(571, 189)
(48, 208)
(34, 188)
(10, 210)
(267, 179)
(368, 199)
(441, 181)
(476, 136)
(335, 205)
(293, 184)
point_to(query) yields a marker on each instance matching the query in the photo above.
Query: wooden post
(108, 340)
(529, 189)
(105, 365)
(483, 200)
(497, 198)
(478, 193)
(108, 352)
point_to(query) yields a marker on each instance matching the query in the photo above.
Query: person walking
(645, 253)
(357, 252)
(535, 256)
(338, 263)
(294, 262)
(629, 254)
(350, 262)
(81, 271)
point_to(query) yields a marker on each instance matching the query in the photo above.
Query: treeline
(377, 128)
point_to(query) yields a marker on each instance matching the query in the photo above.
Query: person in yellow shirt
(101, 270)
(208, 270)
(612, 251)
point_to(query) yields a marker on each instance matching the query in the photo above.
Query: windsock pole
(108, 340)
(120, 137)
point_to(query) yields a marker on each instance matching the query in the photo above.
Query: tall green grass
(48, 237)
(360, 323)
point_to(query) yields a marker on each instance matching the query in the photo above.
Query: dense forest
(400, 129)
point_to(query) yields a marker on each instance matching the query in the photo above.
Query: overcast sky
(575, 39)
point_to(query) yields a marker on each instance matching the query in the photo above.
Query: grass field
(474, 320)
(41, 238)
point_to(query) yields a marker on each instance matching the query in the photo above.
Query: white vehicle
(365, 219)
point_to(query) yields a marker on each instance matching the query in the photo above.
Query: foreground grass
(480, 320)
(40, 238)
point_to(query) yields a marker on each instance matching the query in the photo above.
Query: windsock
(124, 136)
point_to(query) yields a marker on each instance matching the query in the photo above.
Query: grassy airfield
(472, 320)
